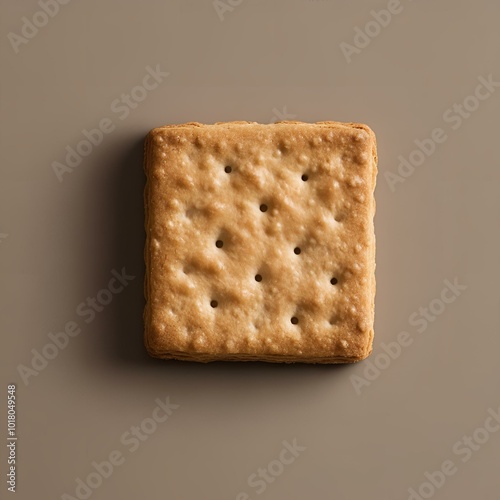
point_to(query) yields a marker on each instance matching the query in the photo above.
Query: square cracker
(260, 242)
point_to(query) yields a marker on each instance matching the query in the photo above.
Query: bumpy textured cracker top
(192, 202)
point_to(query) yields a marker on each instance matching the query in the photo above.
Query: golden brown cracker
(260, 242)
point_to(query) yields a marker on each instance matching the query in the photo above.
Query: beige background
(60, 241)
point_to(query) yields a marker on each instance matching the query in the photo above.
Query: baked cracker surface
(260, 242)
